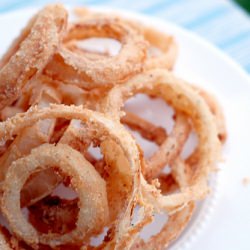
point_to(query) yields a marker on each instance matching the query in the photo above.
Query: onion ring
(111, 168)
(179, 95)
(107, 129)
(71, 68)
(30, 52)
(170, 146)
(50, 146)
(83, 176)
(38, 134)
(165, 44)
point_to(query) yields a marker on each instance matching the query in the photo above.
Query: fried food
(31, 52)
(72, 174)
(162, 49)
(30, 138)
(104, 72)
(123, 177)
(83, 178)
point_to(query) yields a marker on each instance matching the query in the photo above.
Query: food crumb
(246, 181)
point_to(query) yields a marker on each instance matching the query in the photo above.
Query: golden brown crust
(83, 178)
(46, 146)
(105, 71)
(30, 53)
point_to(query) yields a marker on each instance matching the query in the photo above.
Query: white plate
(223, 220)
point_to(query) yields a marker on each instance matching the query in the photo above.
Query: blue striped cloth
(219, 21)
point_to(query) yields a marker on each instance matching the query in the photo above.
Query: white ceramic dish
(222, 221)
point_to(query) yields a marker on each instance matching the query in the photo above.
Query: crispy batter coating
(60, 104)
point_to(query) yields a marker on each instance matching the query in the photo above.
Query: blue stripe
(15, 5)
(160, 5)
(236, 39)
(248, 68)
(20, 4)
(95, 2)
(6, 3)
(214, 13)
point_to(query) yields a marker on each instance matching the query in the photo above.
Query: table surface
(221, 22)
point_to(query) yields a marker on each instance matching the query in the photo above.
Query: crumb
(246, 181)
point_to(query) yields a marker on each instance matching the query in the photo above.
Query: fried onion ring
(170, 146)
(72, 68)
(31, 137)
(106, 129)
(83, 177)
(30, 52)
(82, 148)
(166, 55)
(183, 99)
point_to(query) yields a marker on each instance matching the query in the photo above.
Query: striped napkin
(219, 21)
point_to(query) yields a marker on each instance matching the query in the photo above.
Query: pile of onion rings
(73, 175)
